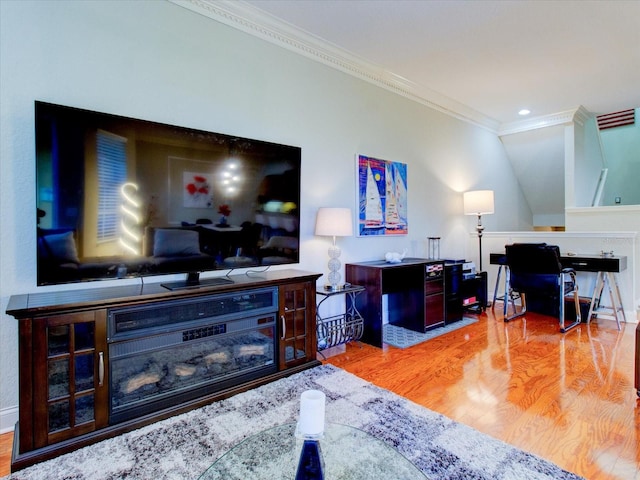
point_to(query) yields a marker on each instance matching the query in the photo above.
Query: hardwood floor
(6, 443)
(568, 398)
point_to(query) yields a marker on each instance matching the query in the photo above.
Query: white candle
(311, 421)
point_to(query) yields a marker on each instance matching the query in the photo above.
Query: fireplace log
(139, 381)
(184, 370)
(216, 357)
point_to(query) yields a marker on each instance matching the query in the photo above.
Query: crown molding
(575, 115)
(248, 19)
(581, 115)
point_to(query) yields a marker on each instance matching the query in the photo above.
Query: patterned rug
(403, 338)
(184, 446)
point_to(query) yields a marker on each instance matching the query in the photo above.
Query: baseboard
(8, 419)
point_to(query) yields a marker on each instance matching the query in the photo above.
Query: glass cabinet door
(297, 309)
(71, 377)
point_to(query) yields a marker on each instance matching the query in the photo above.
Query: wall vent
(616, 119)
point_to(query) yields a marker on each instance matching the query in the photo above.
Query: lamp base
(334, 269)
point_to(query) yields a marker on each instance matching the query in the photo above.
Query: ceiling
(478, 60)
(490, 57)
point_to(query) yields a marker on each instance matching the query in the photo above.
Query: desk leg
(611, 282)
(597, 292)
(495, 289)
(615, 282)
(616, 299)
(508, 295)
(614, 303)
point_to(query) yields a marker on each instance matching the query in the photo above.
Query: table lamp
(334, 222)
(478, 202)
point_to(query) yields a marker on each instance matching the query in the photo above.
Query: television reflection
(120, 197)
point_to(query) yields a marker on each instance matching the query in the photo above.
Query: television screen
(119, 197)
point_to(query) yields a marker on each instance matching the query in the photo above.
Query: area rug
(184, 446)
(404, 338)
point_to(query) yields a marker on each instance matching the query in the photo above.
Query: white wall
(537, 157)
(621, 153)
(159, 61)
(588, 163)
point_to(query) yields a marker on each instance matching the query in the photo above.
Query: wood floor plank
(566, 397)
(6, 443)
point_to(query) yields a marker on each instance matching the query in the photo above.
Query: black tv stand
(193, 281)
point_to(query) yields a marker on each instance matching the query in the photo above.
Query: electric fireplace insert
(164, 354)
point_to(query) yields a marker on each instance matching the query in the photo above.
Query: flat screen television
(119, 197)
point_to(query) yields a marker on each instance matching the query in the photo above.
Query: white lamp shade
(478, 202)
(334, 222)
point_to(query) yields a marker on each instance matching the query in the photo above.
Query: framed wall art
(381, 197)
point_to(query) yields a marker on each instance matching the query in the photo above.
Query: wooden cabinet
(65, 340)
(297, 310)
(464, 293)
(474, 292)
(434, 315)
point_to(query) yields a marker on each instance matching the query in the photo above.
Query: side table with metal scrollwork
(344, 327)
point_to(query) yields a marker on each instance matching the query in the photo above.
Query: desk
(580, 263)
(606, 268)
(414, 289)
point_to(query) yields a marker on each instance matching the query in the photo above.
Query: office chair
(535, 271)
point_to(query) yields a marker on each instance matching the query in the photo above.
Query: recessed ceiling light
(524, 111)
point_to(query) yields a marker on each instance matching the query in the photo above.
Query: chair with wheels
(537, 276)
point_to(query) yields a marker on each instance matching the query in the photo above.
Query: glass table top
(347, 453)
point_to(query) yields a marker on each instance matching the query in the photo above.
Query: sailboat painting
(382, 197)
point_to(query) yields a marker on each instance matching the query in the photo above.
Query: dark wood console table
(414, 290)
(74, 344)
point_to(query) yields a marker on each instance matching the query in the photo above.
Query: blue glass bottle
(310, 464)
